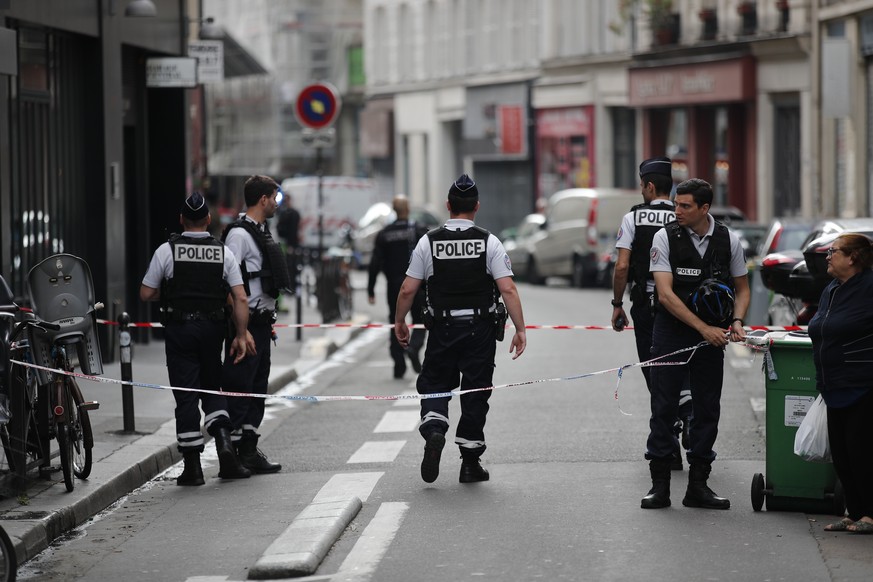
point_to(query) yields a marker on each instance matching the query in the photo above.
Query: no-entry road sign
(318, 105)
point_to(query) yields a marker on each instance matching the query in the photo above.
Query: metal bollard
(126, 373)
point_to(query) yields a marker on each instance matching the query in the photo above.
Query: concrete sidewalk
(125, 460)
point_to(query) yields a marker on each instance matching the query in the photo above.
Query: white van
(580, 228)
(345, 201)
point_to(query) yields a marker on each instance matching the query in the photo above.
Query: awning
(238, 62)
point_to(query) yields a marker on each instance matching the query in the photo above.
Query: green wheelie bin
(790, 483)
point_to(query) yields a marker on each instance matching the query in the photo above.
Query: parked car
(727, 214)
(377, 217)
(750, 234)
(801, 275)
(517, 239)
(579, 229)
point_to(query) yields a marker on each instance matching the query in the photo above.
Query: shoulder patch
(654, 255)
(620, 232)
(507, 262)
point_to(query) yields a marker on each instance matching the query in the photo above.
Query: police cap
(661, 165)
(464, 187)
(194, 207)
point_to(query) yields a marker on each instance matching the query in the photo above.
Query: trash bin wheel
(757, 491)
(839, 507)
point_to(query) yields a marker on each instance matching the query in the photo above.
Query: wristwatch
(742, 323)
(617, 303)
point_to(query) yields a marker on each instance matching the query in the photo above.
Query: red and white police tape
(420, 326)
(619, 370)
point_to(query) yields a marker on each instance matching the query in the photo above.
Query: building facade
(92, 161)
(251, 125)
(730, 89)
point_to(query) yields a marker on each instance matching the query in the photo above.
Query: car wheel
(578, 278)
(533, 275)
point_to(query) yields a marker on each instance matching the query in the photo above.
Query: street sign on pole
(318, 105)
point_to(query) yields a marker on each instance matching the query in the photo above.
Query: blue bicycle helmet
(713, 302)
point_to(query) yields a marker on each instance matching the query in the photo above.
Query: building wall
(102, 30)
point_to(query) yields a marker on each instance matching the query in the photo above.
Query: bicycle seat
(61, 291)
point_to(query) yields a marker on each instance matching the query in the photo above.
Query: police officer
(391, 253)
(634, 241)
(703, 293)
(466, 269)
(191, 276)
(265, 275)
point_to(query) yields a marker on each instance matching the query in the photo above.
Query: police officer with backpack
(702, 296)
(634, 241)
(467, 272)
(391, 253)
(191, 276)
(265, 275)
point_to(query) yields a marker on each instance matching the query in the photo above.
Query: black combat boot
(659, 494)
(698, 494)
(472, 471)
(229, 466)
(251, 456)
(192, 474)
(430, 462)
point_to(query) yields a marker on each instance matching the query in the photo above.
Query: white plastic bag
(811, 441)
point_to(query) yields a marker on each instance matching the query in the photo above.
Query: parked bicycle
(63, 320)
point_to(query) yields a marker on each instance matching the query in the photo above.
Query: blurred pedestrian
(702, 295)
(842, 343)
(288, 229)
(391, 253)
(265, 275)
(467, 271)
(191, 276)
(634, 243)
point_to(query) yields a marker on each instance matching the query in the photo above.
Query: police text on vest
(653, 217)
(199, 253)
(458, 249)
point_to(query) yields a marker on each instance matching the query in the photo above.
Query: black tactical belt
(262, 316)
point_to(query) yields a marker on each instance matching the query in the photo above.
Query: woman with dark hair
(842, 343)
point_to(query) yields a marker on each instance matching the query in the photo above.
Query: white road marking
(344, 486)
(368, 551)
(758, 404)
(398, 421)
(377, 452)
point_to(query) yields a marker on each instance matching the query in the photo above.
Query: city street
(567, 475)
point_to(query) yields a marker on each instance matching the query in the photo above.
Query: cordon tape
(393, 397)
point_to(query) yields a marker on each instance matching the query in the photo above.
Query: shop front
(703, 116)
(565, 153)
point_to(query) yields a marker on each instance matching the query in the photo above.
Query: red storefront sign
(511, 129)
(713, 82)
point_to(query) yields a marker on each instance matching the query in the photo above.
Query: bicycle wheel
(8, 559)
(79, 423)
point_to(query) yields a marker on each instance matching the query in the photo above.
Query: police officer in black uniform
(265, 275)
(703, 293)
(191, 276)
(391, 253)
(467, 271)
(634, 241)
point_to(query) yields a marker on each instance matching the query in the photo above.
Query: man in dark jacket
(391, 253)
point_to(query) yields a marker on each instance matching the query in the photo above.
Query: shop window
(677, 143)
(33, 61)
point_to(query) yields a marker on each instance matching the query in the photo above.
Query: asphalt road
(567, 474)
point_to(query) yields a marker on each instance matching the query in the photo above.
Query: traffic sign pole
(317, 107)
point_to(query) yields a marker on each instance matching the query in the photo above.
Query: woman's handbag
(811, 441)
